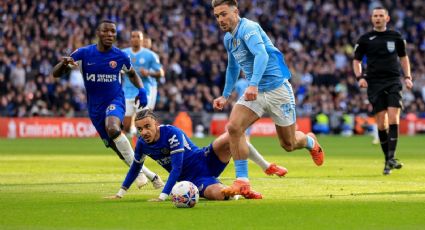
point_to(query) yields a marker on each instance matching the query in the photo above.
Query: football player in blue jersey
(176, 153)
(101, 65)
(250, 49)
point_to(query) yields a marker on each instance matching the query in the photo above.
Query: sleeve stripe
(177, 151)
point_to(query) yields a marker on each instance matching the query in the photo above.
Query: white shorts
(152, 98)
(131, 108)
(278, 103)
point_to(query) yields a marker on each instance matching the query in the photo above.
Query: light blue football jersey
(144, 58)
(250, 40)
(240, 86)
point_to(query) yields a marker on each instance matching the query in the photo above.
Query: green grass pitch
(60, 184)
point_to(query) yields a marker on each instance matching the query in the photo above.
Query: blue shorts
(212, 166)
(116, 109)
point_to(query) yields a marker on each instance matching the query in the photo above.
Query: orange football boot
(239, 187)
(316, 152)
(276, 170)
(253, 195)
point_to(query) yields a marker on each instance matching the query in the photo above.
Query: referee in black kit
(383, 49)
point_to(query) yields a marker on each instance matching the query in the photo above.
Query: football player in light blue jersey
(101, 65)
(147, 64)
(249, 49)
(176, 153)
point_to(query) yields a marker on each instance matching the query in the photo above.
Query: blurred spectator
(317, 38)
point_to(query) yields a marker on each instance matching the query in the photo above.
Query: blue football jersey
(249, 40)
(102, 74)
(172, 144)
(146, 59)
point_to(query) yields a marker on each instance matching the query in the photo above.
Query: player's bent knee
(113, 131)
(233, 129)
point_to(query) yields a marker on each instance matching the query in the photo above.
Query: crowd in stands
(316, 37)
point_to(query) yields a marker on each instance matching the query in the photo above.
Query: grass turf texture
(60, 184)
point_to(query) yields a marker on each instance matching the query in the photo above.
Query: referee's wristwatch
(408, 77)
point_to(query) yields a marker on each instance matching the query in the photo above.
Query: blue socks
(310, 143)
(241, 168)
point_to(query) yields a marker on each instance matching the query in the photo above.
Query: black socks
(389, 140)
(383, 138)
(392, 140)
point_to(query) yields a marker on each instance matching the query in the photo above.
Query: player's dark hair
(215, 3)
(380, 8)
(104, 21)
(145, 113)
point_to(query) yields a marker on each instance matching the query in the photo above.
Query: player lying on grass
(176, 153)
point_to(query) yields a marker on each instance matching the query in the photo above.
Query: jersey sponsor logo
(248, 35)
(173, 141)
(371, 38)
(240, 55)
(113, 64)
(101, 77)
(90, 63)
(390, 46)
(164, 161)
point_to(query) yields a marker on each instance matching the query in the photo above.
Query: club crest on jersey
(110, 108)
(391, 46)
(165, 151)
(113, 64)
(236, 42)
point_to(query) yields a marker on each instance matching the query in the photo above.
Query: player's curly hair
(215, 3)
(104, 21)
(145, 113)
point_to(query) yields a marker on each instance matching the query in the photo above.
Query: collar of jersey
(236, 30)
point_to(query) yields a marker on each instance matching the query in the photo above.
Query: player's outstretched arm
(63, 67)
(133, 172)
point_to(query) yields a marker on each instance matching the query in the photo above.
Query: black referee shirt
(382, 50)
